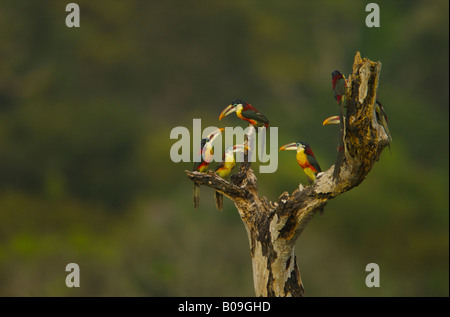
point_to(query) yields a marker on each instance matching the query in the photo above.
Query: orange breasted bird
(247, 112)
(206, 153)
(305, 158)
(224, 169)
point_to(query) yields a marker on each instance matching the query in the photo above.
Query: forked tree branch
(273, 227)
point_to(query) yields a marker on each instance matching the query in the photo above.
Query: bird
(225, 167)
(206, 153)
(382, 119)
(339, 85)
(380, 116)
(305, 158)
(247, 112)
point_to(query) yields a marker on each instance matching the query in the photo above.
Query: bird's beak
(215, 134)
(290, 146)
(332, 120)
(227, 111)
(240, 148)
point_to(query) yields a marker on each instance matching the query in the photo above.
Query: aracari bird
(380, 116)
(247, 112)
(206, 153)
(339, 86)
(305, 158)
(382, 119)
(224, 169)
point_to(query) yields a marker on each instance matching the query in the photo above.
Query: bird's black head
(303, 144)
(238, 101)
(335, 73)
(203, 142)
(306, 148)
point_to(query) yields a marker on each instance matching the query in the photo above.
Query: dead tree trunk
(273, 227)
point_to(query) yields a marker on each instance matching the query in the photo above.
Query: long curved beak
(240, 148)
(215, 134)
(289, 147)
(332, 120)
(227, 111)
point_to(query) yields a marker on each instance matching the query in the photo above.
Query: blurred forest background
(85, 118)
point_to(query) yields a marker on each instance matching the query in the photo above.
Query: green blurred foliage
(85, 118)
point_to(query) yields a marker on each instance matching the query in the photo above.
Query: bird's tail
(262, 144)
(218, 198)
(321, 212)
(321, 209)
(196, 196)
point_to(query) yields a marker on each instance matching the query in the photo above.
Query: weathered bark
(273, 227)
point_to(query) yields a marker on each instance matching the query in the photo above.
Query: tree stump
(273, 227)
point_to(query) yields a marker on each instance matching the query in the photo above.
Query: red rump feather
(308, 165)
